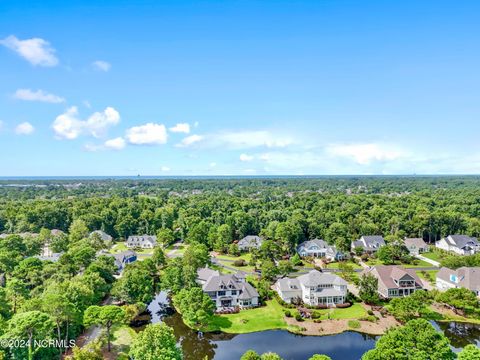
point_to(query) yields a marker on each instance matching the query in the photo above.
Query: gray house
(229, 291)
(460, 244)
(250, 242)
(123, 258)
(142, 242)
(102, 234)
(464, 277)
(319, 248)
(314, 288)
(369, 244)
(416, 246)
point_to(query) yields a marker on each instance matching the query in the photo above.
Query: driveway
(430, 261)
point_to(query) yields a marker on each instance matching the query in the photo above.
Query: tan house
(395, 281)
(464, 277)
(416, 246)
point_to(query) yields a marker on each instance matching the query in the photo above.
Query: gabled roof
(416, 242)
(369, 242)
(288, 284)
(103, 235)
(388, 273)
(230, 282)
(316, 278)
(152, 239)
(461, 241)
(251, 240)
(322, 244)
(468, 277)
(203, 274)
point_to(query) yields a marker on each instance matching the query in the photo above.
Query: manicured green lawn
(239, 268)
(419, 263)
(122, 337)
(356, 311)
(267, 317)
(244, 256)
(433, 274)
(335, 265)
(435, 256)
(118, 247)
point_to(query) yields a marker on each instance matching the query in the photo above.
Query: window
(221, 293)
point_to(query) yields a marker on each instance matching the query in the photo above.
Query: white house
(228, 291)
(319, 248)
(313, 288)
(369, 244)
(460, 244)
(142, 242)
(464, 277)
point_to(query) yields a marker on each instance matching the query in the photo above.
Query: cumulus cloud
(165, 169)
(181, 128)
(147, 134)
(190, 140)
(101, 65)
(36, 51)
(39, 95)
(364, 154)
(117, 143)
(246, 157)
(69, 126)
(24, 128)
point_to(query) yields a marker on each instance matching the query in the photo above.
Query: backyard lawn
(267, 317)
(432, 273)
(356, 311)
(245, 256)
(419, 263)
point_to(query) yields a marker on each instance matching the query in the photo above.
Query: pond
(345, 346)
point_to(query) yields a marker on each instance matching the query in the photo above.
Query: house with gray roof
(102, 234)
(313, 288)
(141, 241)
(416, 246)
(123, 258)
(250, 242)
(203, 274)
(395, 281)
(319, 248)
(459, 244)
(229, 291)
(369, 244)
(464, 277)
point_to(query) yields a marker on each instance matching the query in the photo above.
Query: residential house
(103, 235)
(229, 291)
(203, 274)
(123, 258)
(250, 242)
(395, 281)
(313, 288)
(464, 277)
(369, 244)
(142, 242)
(319, 248)
(47, 254)
(416, 246)
(460, 244)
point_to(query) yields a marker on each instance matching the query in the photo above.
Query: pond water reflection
(221, 346)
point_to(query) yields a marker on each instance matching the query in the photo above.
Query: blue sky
(239, 87)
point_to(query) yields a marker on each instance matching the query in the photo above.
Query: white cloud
(24, 128)
(364, 154)
(165, 169)
(115, 144)
(213, 164)
(246, 157)
(39, 95)
(101, 65)
(181, 128)
(69, 126)
(36, 51)
(148, 134)
(190, 140)
(251, 139)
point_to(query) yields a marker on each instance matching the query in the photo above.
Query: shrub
(371, 318)
(370, 312)
(316, 314)
(318, 321)
(288, 313)
(344, 305)
(298, 317)
(354, 324)
(322, 306)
